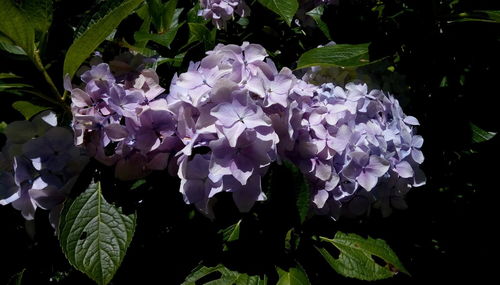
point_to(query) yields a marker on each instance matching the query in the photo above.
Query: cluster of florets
(39, 165)
(233, 113)
(123, 120)
(220, 11)
(236, 114)
(225, 107)
(354, 146)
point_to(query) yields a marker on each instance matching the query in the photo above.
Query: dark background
(447, 234)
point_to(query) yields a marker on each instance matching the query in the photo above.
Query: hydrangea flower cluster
(123, 120)
(233, 113)
(220, 11)
(224, 106)
(39, 165)
(355, 147)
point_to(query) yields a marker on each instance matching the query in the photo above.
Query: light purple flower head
(220, 11)
(122, 119)
(350, 142)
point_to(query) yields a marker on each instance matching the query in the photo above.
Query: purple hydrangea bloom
(41, 166)
(361, 137)
(122, 119)
(220, 11)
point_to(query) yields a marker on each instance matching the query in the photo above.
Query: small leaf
(17, 279)
(342, 55)
(479, 135)
(487, 16)
(356, 261)
(294, 276)
(231, 233)
(89, 40)
(286, 9)
(39, 12)
(226, 276)
(15, 26)
(168, 16)
(94, 235)
(7, 45)
(27, 109)
(302, 191)
(199, 32)
(316, 14)
(8, 76)
(3, 125)
(162, 39)
(192, 15)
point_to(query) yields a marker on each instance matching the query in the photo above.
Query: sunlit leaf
(479, 135)
(27, 109)
(15, 26)
(342, 55)
(94, 235)
(356, 257)
(97, 32)
(286, 9)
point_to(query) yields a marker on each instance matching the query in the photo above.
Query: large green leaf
(95, 15)
(83, 46)
(286, 9)
(294, 276)
(316, 14)
(356, 257)
(39, 12)
(479, 135)
(27, 109)
(337, 55)
(94, 235)
(15, 26)
(226, 277)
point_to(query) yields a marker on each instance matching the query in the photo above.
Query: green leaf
(199, 32)
(479, 135)
(231, 233)
(94, 235)
(145, 28)
(162, 39)
(27, 109)
(17, 279)
(168, 16)
(8, 76)
(3, 125)
(226, 276)
(175, 61)
(39, 12)
(7, 45)
(492, 14)
(192, 15)
(95, 14)
(301, 191)
(83, 46)
(487, 16)
(286, 9)
(342, 55)
(316, 14)
(294, 276)
(356, 257)
(15, 26)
